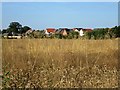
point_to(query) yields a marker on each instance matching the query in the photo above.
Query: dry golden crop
(60, 63)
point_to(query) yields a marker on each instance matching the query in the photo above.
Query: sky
(60, 0)
(119, 13)
(42, 15)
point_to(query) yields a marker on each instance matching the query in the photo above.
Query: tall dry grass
(60, 63)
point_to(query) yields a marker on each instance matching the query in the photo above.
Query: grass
(53, 63)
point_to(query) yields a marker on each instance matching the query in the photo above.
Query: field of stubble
(52, 63)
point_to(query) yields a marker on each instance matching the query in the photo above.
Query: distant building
(50, 31)
(5, 35)
(64, 31)
(77, 29)
(12, 35)
(87, 30)
(81, 31)
(28, 32)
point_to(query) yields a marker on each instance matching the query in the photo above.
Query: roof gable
(87, 30)
(49, 30)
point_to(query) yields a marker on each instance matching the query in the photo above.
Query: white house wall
(81, 33)
(46, 32)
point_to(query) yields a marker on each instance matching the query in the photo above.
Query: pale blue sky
(41, 15)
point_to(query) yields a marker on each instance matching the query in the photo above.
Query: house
(81, 31)
(16, 37)
(50, 31)
(77, 29)
(85, 30)
(65, 31)
(28, 32)
(57, 31)
(12, 35)
(5, 35)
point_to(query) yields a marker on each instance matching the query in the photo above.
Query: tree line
(16, 27)
(100, 33)
(104, 33)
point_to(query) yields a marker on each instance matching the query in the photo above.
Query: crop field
(59, 63)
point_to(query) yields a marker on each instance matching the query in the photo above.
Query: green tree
(42, 34)
(99, 33)
(116, 31)
(76, 35)
(14, 27)
(0, 31)
(73, 34)
(59, 36)
(4, 31)
(95, 34)
(24, 29)
(88, 35)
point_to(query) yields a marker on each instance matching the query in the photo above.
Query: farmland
(60, 63)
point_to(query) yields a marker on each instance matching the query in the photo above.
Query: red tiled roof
(74, 28)
(50, 30)
(88, 30)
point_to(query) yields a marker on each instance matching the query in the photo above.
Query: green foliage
(88, 35)
(30, 35)
(116, 31)
(4, 31)
(24, 29)
(58, 36)
(0, 31)
(64, 37)
(99, 33)
(41, 33)
(52, 36)
(76, 35)
(14, 27)
(73, 34)
(37, 34)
